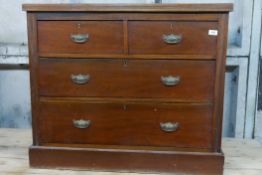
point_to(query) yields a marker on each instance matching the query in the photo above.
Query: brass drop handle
(169, 126)
(80, 78)
(79, 38)
(170, 80)
(82, 124)
(172, 39)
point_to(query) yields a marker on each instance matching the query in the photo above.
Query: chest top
(158, 8)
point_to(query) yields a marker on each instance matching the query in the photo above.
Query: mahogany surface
(157, 8)
(54, 37)
(145, 37)
(127, 160)
(125, 99)
(130, 78)
(125, 124)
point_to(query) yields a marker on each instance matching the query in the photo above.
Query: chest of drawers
(134, 88)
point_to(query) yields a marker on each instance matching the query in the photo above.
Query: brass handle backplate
(79, 38)
(170, 80)
(82, 124)
(172, 39)
(80, 79)
(169, 126)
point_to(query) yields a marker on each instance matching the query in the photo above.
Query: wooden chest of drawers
(128, 87)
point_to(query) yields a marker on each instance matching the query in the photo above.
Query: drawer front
(125, 124)
(172, 37)
(180, 80)
(76, 37)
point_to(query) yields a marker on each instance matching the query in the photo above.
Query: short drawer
(173, 37)
(80, 37)
(172, 79)
(125, 124)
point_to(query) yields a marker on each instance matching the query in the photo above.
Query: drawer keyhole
(125, 107)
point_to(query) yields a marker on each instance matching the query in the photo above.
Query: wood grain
(157, 8)
(125, 99)
(119, 124)
(146, 37)
(104, 37)
(219, 83)
(129, 16)
(131, 161)
(33, 66)
(128, 79)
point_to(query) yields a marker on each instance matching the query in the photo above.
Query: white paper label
(213, 32)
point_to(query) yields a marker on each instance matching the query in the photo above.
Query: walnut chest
(133, 88)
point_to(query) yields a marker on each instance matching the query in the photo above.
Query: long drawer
(125, 123)
(172, 79)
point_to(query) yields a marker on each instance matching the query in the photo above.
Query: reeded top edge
(226, 7)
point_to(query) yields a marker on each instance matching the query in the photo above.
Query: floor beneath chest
(243, 157)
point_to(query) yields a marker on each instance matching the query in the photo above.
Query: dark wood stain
(127, 160)
(119, 124)
(146, 37)
(125, 99)
(55, 37)
(156, 8)
(129, 78)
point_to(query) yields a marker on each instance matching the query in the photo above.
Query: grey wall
(258, 130)
(258, 119)
(229, 120)
(15, 110)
